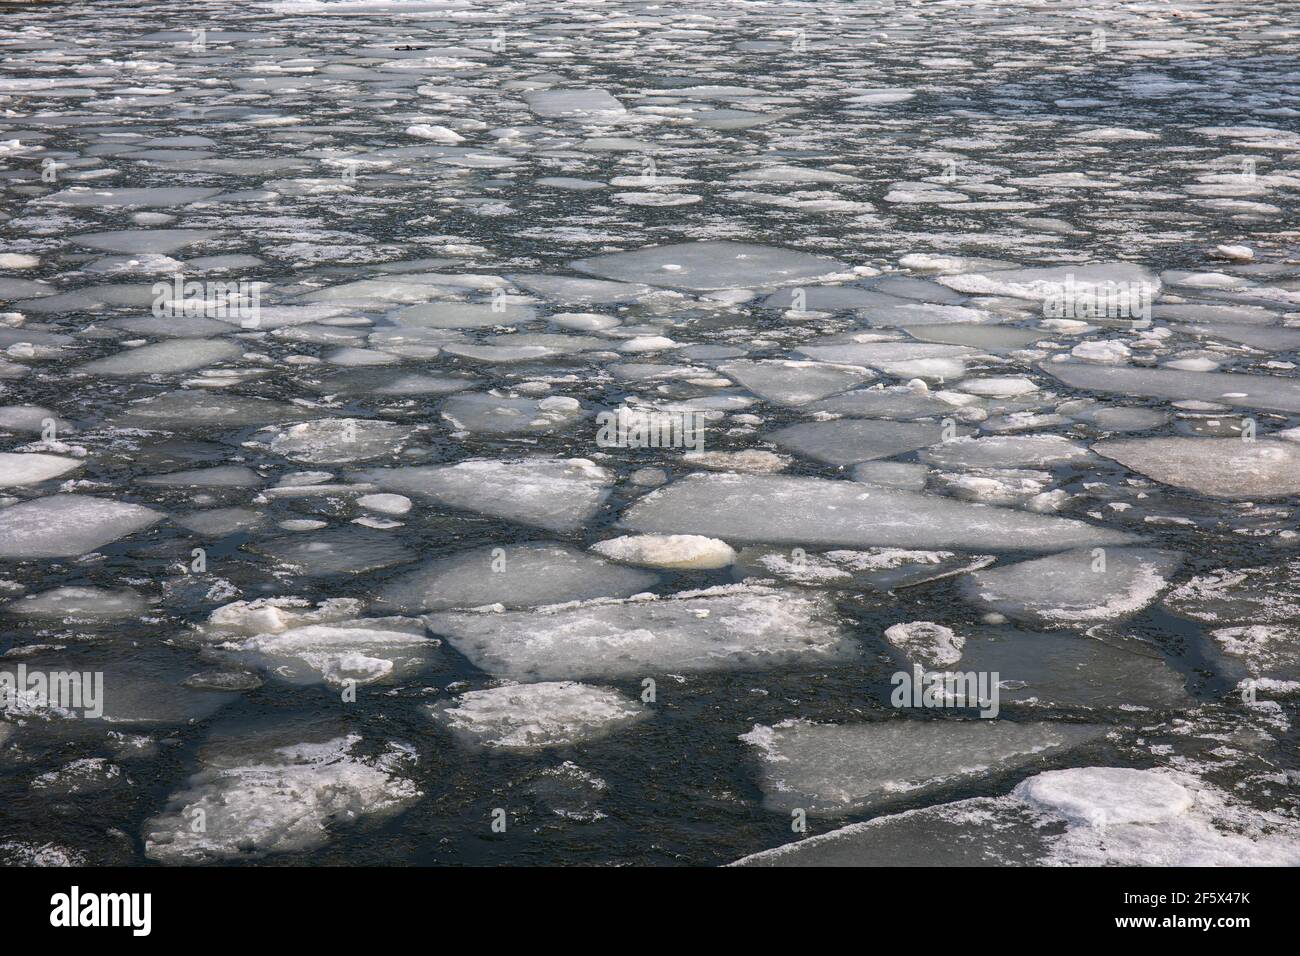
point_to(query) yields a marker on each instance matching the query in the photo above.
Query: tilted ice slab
(557, 494)
(514, 576)
(29, 469)
(851, 440)
(1089, 816)
(1269, 392)
(256, 799)
(164, 358)
(1222, 467)
(834, 769)
(1074, 587)
(64, 526)
(534, 716)
(332, 441)
(810, 512)
(708, 266)
(794, 383)
(727, 628)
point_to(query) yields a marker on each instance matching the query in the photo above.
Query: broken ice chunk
(1270, 392)
(927, 643)
(165, 358)
(727, 628)
(338, 653)
(256, 799)
(834, 769)
(32, 468)
(198, 409)
(534, 716)
(812, 512)
(1075, 587)
(73, 603)
(218, 476)
(552, 493)
(488, 414)
(64, 526)
(882, 569)
(1089, 816)
(851, 440)
(1018, 451)
(513, 576)
(709, 266)
(269, 615)
(794, 383)
(337, 551)
(1222, 467)
(581, 103)
(1068, 670)
(332, 441)
(679, 552)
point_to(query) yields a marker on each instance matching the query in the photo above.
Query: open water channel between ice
(463, 432)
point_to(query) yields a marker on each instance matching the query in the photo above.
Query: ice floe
(533, 716)
(729, 628)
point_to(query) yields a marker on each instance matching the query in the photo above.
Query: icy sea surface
(972, 327)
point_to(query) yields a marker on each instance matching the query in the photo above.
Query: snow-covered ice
(531, 716)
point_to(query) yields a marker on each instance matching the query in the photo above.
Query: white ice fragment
(676, 551)
(535, 716)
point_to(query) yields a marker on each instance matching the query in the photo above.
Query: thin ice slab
(537, 716)
(1082, 587)
(513, 576)
(709, 266)
(257, 799)
(64, 526)
(812, 512)
(557, 494)
(1088, 816)
(1222, 467)
(834, 769)
(727, 628)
